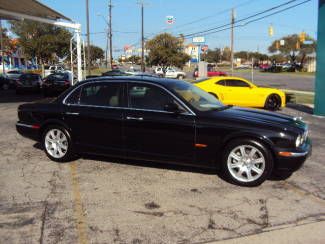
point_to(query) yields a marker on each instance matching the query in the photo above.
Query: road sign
(282, 42)
(204, 48)
(198, 39)
(170, 19)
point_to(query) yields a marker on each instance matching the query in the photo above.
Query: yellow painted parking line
(78, 209)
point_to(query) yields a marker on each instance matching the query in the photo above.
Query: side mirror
(171, 107)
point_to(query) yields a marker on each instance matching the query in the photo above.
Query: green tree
(95, 53)
(212, 56)
(166, 50)
(135, 59)
(293, 48)
(41, 40)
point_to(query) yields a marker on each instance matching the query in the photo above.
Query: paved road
(282, 81)
(95, 200)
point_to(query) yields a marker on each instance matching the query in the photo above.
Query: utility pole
(142, 40)
(110, 35)
(232, 40)
(88, 38)
(1, 48)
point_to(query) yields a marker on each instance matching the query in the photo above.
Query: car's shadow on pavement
(301, 108)
(167, 166)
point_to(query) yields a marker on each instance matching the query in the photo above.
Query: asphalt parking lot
(97, 200)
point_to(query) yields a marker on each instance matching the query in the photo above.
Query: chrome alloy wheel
(246, 163)
(56, 143)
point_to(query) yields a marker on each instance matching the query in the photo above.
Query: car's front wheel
(247, 162)
(57, 143)
(273, 102)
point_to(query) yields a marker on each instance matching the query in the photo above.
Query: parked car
(170, 73)
(165, 120)
(28, 83)
(56, 83)
(241, 92)
(244, 66)
(53, 69)
(115, 72)
(210, 73)
(13, 76)
(4, 83)
(264, 66)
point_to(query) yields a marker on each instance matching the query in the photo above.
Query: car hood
(262, 118)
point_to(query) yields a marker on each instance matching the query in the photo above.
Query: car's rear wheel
(273, 102)
(247, 162)
(57, 143)
(180, 77)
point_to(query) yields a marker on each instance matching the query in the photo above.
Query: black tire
(273, 102)
(68, 154)
(180, 77)
(214, 95)
(257, 178)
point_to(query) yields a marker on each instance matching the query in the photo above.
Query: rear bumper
(28, 131)
(295, 160)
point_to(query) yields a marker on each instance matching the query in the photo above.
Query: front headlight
(299, 141)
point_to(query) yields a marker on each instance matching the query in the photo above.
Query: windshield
(195, 96)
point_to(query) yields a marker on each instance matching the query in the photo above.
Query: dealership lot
(97, 200)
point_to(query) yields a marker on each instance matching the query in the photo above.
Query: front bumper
(296, 158)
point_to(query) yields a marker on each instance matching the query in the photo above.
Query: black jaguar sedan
(168, 121)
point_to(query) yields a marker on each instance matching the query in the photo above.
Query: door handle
(71, 113)
(134, 118)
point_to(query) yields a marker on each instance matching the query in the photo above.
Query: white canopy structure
(34, 10)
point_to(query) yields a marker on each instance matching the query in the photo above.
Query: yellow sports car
(240, 92)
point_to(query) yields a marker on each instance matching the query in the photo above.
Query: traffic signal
(302, 37)
(271, 31)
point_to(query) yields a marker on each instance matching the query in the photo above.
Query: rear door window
(108, 94)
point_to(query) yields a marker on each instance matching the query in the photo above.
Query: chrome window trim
(189, 111)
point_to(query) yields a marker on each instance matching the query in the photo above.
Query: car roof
(155, 80)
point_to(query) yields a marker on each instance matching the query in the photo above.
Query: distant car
(56, 83)
(13, 76)
(133, 71)
(115, 66)
(4, 83)
(210, 73)
(264, 66)
(115, 72)
(28, 83)
(241, 92)
(53, 69)
(244, 66)
(170, 73)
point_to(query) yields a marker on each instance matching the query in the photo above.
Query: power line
(254, 20)
(211, 16)
(243, 19)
